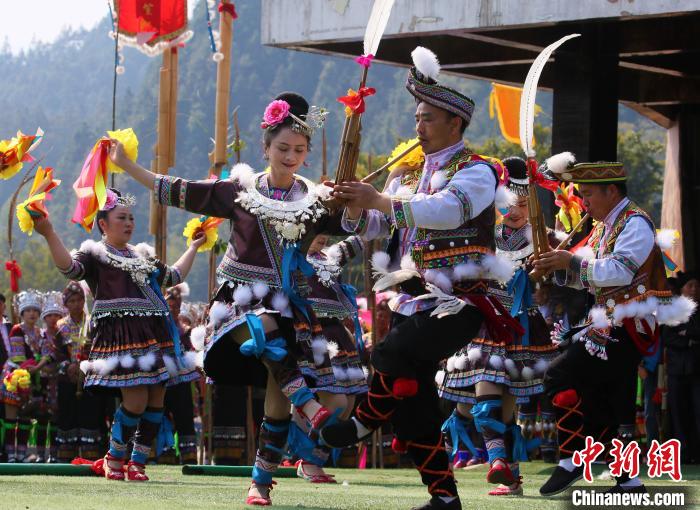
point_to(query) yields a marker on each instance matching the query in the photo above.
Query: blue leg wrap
(122, 423)
(274, 349)
(491, 428)
(456, 426)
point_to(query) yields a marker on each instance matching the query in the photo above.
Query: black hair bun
(517, 168)
(297, 104)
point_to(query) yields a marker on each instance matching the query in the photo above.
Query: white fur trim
(105, 366)
(438, 180)
(199, 360)
(260, 290)
(244, 174)
(498, 268)
(407, 263)
(198, 336)
(585, 252)
(450, 366)
(560, 163)
(127, 361)
(319, 347)
(380, 262)
(599, 318)
(334, 253)
(541, 366)
(559, 235)
(280, 301)
(666, 238)
(145, 250)
(678, 312)
(85, 366)
(147, 361)
(403, 191)
(94, 248)
(504, 197)
(322, 191)
(426, 62)
(466, 271)
(218, 313)
(242, 296)
(474, 355)
(439, 278)
(333, 349)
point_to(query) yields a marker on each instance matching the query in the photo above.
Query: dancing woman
(259, 318)
(135, 346)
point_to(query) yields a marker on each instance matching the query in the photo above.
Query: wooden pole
(324, 156)
(223, 89)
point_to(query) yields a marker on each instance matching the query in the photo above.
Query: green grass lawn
(356, 490)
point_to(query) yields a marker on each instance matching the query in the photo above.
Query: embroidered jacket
(121, 282)
(445, 220)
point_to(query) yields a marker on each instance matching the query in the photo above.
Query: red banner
(151, 22)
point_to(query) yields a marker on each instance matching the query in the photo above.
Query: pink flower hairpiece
(275, 113)
(110, 201)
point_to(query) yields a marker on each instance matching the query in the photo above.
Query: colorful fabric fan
(415, 158)
(206, 224)
(91, 185)
(34, 206)
(570, 206)
(18, 381)
(15, 152)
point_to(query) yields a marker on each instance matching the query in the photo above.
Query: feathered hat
(422, 83)
(563, 167)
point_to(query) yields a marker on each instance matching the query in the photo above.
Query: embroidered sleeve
(82, 266)
(470, 191)
(211, 198)
(632, 247)
(370, 225)
(168, 276)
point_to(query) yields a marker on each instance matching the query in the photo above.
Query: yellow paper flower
(131, 146)
(205, 224)
(415, 158)
(34, 206)
(15, 152)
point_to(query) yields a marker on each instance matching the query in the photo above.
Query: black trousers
(413, 348)
(607, 388)
(179, 404)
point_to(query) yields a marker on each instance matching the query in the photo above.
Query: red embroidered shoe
(112, 467)
(500, 473)
(509, 490)
(136, 472)
(304, 470)
(263, 496)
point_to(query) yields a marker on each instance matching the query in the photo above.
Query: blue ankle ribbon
(302, 446)
(481, 411)
(172, 327)
(295, 260)
(521, 445)
(519, 288)
(351, 293)
(457, 428)
(275, 349)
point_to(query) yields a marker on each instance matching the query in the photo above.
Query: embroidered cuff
(76, 271)
(463, 198)
(358, 226)
(163, 188)
(586, 272)
(401, 214)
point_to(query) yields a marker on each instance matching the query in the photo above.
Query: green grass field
(356, 490)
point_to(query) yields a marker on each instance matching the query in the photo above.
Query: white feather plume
(85, 366)
(333, 350)
(504, 197)
(380, 262)
(560, 163)
(426, 62)
(474, 355)
(378, 18)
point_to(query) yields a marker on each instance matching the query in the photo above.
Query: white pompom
(199, 360)
(560, 163)
(438, 278)
(512, 369)
(438, 180)
(496, 362)
(528, 373)
(676, 313)
(498, 268)
(541, 366)
(242, 296)
(585, 252)
(190, 359)
(170, 365)
(85, 366)
(474, 355)
(538, 427)
(461, 362)
(666, 238)
(451, 364)
(147, 361)
(218, 313)
(439, 377)
(408, 263)
(260, 290)
(217, 57)
(356, 374)
(339, 373)
(127, 361)
(100, 366)
(466, 271)
(426, 62)
(198, 336)
(244, 174)
(280, 301)
(504, 197)
(319, 347)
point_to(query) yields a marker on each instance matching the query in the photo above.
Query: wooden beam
(655, 115)
(656, 89)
